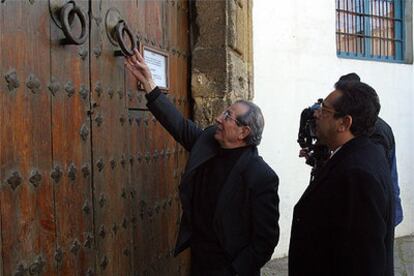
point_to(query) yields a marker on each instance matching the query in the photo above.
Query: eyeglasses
(227, 116)
(325, 110)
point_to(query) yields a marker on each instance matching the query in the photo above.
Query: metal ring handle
(120, 29)
(65, 13)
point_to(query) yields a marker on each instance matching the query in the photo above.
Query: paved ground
(403, 260)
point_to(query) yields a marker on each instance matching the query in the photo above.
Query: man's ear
(345, 123)
(245, 132)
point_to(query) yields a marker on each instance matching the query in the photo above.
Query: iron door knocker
(120, 30)
(70, 9)
(63, 14)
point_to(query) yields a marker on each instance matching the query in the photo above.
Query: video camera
(317, 153)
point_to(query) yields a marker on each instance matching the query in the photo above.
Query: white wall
(295, 63)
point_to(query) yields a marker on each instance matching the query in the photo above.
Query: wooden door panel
(27, 208)
(110, 141)
(72, 151)
(156, 25)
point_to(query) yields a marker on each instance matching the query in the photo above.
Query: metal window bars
(369, 29)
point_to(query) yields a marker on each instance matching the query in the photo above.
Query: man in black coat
(228, 193)
(343, 223)
(383, 136)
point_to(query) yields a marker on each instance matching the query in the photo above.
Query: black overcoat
(246, 216)
(343, 223)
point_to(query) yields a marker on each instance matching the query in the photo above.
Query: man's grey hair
(253, 118)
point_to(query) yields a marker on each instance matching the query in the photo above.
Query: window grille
(370, 29)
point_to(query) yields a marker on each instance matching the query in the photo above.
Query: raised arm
(184, 131)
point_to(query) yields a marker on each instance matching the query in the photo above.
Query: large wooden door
(89, 179)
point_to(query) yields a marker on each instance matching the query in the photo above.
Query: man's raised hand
(140, 70)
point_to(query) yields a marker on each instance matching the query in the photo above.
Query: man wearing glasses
(228, 193)
(384, 137)
(343, 223)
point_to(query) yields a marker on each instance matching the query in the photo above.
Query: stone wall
(222, 60)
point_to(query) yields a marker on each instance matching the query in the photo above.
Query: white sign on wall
(158, 64)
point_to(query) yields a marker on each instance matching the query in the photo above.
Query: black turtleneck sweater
(209, 180)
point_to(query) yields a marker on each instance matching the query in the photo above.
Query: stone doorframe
(221, 55)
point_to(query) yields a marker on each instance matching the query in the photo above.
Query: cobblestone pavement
(403, 260)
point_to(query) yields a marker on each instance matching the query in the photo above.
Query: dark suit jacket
(246, 216)
(343, 223)
(383, 136)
